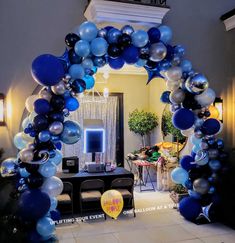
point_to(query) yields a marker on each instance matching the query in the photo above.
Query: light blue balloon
(72, 132)
(19, 141)
(179, 175)
(139, 38)
(23, 172)
(45, 226)
(56, 158)
(87, 31)
(25, 122)
(140, 62)
(166, 33)
(99, 47)
(76, 71)
(54, 203)
(87, 63)
(82, 48)
(90, 81)
(195, 141)
(196, 148)
(186, 66)
(48, 169)
(44, 136)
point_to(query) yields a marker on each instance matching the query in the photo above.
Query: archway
(63, 77)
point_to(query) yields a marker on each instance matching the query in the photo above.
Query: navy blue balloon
(185, 162)
(47, 70)
(78, 85)
(193, 154)
(131, 54)
(55, 215)
(34, 237)
(40, 123)
(99, 61)
(56, 116)
(154, 35)
(211, 126)
(113, 35)
(42, 106)
(116, 63)
(33, 204)
(189, 208)
(183, 119)
(165, 97)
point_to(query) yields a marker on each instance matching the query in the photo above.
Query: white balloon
(53, 186)
(29, 102)
(187, 132)
(206, 98)
(172, 85)
(174, 73)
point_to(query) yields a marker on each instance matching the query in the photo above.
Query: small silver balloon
(172, 85)
(127, 29)
(198, 123)
(204, 145)
(176, 61)
(31, 146)
(202, 157)
(53, 186)
(213, 153)
(177, 96)
(174, 74)
(59, 88)
(26, 155)
(197, 83)
(157, 52)
(56, 128)
(206, 98)
(198, 134)
(45, 94)
(201, 186)
(9, 167)
(102, 33)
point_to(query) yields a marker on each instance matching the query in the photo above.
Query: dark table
(77, 179)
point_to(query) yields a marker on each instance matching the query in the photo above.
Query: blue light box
(94, 140)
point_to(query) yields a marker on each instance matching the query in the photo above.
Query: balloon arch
(62, 78)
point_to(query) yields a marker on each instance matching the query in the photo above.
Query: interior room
(117, 121)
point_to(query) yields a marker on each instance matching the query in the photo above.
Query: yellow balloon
(112, 203)
(214, 112)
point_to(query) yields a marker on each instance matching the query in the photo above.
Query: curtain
(95, 108)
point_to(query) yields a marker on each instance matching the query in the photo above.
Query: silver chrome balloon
(26, 155)
(174, 74)
(59, 88)
(102, 33)
(56, 128)
(198, 134)
(202, 157)
(177, 96)
(45, 94)
(201, 186)
(157, 52)
(9, 167)
(197, 83)
(206, 98)
(127, 29)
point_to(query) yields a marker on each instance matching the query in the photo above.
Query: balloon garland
(62, 78)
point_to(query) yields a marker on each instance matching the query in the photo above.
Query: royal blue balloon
(211, 126)
(47, 70)
(82, 48)
(72, 132)
(185, 162)
(189, 208)
(131, 54)
(71, 103)
(42, 106)
(166, 33)
(183, 119)
(186, 66)
(165, 97)
(44, 136)
(87, 31)
(58, 145)
(54, 203)
(193, 154)
(90, 81)
(179, 50)
(116, 63)
(23, 172)
(154, 35)
(33, 204)
(139, 38)
(76, 71)
(99, 47)
(45, 226)
(55, 215)
(113, 35)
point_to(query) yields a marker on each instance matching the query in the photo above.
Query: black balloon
(31, 168)
(56, 116)
(99, 61)
(74, 58)
(34, 181)
(78, 85)
(114, 51)
(40, 123)
(57, 102)
(144, 53)
(124, 40)
(71, 39)
(151, 64)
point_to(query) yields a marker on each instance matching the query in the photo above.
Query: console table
(77, 179)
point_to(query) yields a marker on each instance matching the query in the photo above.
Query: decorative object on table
(177, 193)
(142, 123)
(70, 164)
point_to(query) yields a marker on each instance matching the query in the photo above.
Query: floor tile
(103, 238)
(190, 241)
(226, 238)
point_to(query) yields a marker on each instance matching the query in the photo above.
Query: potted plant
(142, 123)
(178, 192)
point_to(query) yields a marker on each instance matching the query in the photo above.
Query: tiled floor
(162, 224)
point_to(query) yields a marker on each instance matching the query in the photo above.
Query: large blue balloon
(42, 106)
(211, 126)
(166, 33)
(45, 226)
(179, 175)
(139, 38)
(90, 81)
(72, 132)
(99, 47)
(116, 63)
(87, 31)
(189, 208)
(47, 70)
(56, 157)
(183, 119)
(33, 204)
(82, 48)
(71, 104)
(76, 71)
(186, 162)
(131, 55)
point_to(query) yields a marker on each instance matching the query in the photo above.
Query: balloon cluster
(45, 128)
